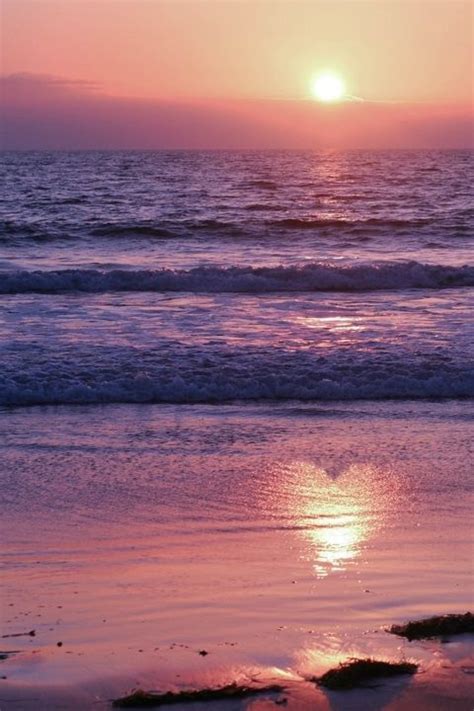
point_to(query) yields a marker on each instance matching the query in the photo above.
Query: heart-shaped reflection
(335, 511)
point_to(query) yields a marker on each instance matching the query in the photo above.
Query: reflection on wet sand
(336, 513)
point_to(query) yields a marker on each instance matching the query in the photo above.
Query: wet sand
(280, 539)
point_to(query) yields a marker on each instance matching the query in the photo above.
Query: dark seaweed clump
(356, 672)
(440, 626)
(231, 691)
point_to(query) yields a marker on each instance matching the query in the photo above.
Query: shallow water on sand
(281, 539)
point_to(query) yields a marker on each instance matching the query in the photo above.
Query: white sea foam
(178, 374)
(316, 276)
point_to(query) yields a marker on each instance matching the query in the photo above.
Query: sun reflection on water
(334, 323)
(335, 513)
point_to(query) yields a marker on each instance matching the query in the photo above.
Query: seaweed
(438, 626)
(356, 672)
(31, 633)
(231, 691)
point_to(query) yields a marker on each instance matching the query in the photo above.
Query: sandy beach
(166, 547)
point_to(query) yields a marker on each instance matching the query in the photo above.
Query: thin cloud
(43, 111)
(50, 79)
(23, 81)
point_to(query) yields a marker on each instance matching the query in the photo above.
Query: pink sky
(230, 74)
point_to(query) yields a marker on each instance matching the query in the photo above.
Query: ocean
(235, 418)
(214, 276)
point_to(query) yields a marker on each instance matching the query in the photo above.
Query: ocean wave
(175, 373)
(311, 277)
(10, 231)
(264, 184)
(17, 232)
(323, 222)
(114, 230)
(264, 207)
(165, 229)
(261, 223)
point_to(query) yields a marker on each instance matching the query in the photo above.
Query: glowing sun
(328, 87)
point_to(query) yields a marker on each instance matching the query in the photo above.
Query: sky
(235, 73)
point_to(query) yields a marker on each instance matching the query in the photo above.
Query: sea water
(215, 276)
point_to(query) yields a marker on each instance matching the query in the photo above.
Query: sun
(328, 87)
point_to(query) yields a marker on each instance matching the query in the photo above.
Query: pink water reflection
(336, 513)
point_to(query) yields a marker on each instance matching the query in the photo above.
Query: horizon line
(332, 149)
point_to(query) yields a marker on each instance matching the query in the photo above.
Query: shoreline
(440, 683)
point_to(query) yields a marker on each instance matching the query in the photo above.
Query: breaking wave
(315, 276)
(175, 373)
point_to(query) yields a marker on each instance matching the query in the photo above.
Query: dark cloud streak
(45, 112)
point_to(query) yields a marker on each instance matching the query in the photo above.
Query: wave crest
(315, 276)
